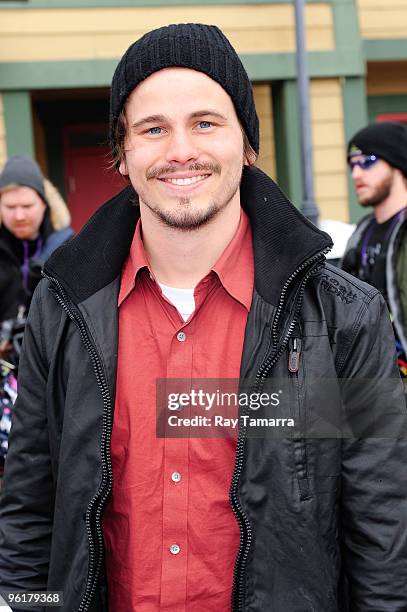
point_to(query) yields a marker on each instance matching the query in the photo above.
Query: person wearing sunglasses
(377, 250)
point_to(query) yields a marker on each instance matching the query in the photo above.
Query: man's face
(184, 147)
(22, 211)
(374, 184)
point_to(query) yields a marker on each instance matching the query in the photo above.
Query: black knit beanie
(24, 171)
(387, 140)
(200, 47)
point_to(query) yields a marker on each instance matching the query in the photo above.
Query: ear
(123, 167)
(250, 158)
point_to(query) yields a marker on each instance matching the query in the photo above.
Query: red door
(88, 180)
(400, 117)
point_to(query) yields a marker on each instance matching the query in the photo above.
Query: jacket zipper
(107, 477)
(294, 355)
(244, 523)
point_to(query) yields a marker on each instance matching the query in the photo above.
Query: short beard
(188, 220)
(381, 193)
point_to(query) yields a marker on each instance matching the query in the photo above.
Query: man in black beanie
(143, 491)
(377, 250)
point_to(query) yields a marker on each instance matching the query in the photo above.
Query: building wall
(331, 190)
(54, 45)
(60, 34)
(382, 19)
(3, 146)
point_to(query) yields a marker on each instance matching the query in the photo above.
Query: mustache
(195, 167)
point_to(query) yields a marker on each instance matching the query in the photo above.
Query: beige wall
(329, 149)
(57, 34)
(264, 106)
(330, 171)
(386, 78)
(383, 18)
(3, 146)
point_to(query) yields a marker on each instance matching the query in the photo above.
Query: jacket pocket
(296, 373)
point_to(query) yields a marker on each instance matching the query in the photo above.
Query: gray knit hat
(189, 45)
(24, 171)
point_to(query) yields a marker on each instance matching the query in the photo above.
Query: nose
(356, 172)
(19, 214)
(182, 147)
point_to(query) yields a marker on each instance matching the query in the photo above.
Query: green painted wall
(287, 139)
(385, 50)
(18, 123)
(378, 105)
(98, 73)
(355, 118)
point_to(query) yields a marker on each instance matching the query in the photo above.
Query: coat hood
(59, 212)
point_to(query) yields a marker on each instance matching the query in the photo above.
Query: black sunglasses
(366, 162)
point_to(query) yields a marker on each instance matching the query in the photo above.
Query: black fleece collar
(283, 239)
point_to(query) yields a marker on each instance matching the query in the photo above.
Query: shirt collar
(136, 261)
(235, 267)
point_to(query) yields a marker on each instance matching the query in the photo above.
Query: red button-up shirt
(169, 491)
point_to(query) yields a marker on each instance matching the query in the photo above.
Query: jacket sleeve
(374, 468)
(27, 500)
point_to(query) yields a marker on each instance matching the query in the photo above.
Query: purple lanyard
(26, 263)
(364, 254)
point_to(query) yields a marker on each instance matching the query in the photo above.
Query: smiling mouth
(185, 181)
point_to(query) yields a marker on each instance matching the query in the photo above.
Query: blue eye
(205, 124)
(154, 130)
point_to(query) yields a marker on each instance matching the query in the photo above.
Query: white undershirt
(183, 299)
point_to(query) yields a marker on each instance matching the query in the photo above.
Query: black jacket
(323, 520)
(13, 294)
(395, 265)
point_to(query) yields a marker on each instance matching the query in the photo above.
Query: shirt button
(174, 549)
(176, 476)
(181, 336)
